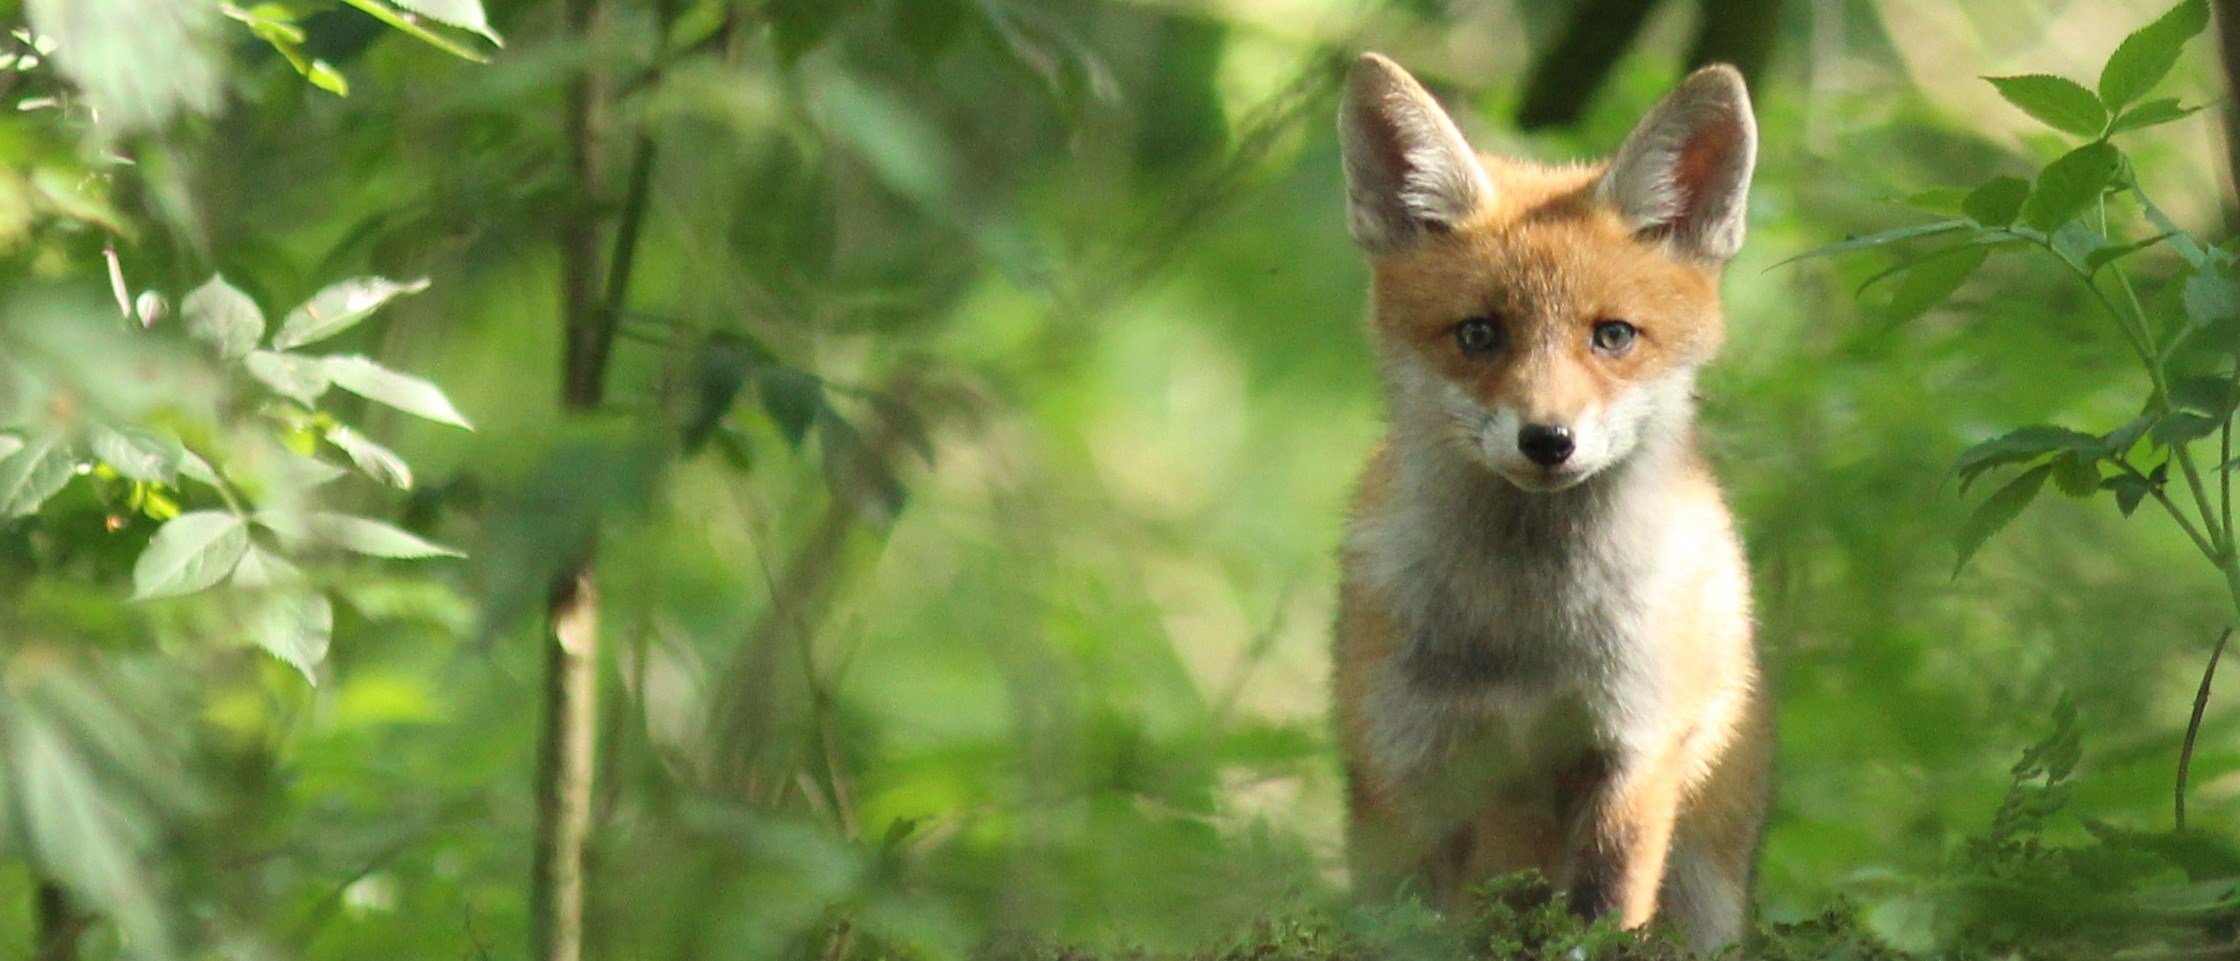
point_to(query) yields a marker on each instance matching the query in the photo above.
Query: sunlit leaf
(290, 375)
(2070, 185)
(190, 553)
(2153, 113)
(295, 626)
(364, 535)
(361, 376)
(36, 471)
(1997, 511)
(464, 14)
(378, 462)
(339, 307)
(401, 20)
(136, 79)
(138, 453)
(260, 569)
(2146, 56)
(222, 316)
(2057, 102)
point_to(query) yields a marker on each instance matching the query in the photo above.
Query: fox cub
(1543, 652)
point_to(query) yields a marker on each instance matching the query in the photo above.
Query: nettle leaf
(39, 469)
(1932, 281)
(364, 535)
(794, 398)
(376, 461)
(361, 376)
(138, 454)
(289, 375)
(2153, 113)
(1997, 511)
(223, 316)
(2070, 185)
(190, 553)
(296, 626)
(2147, 55)
(464, 14)
(2019, 445)
(338, 308)
(1996, 203)
(2057, 102)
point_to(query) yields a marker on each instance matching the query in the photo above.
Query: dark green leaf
(224, 317)
(2129, 490)
(1997, 511)
(859, 475)
(2076, 473)
(1878, 239)
(793, 398)
(2205, 394)
(720, 367)
(2057, 102)
(2180, 426)
(364, 535)
(2120, 440)
(189, 553)
(1929, 283)
(1996, 203)
(35, 472)
(2211, 297)
(2070, 185)
(361, 376)
(339, 307)
(2020, 445)
(2108, 255)
(2153, 113)
(2146, 56)
(289, 375)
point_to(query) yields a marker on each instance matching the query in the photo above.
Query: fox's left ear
(1683, 175)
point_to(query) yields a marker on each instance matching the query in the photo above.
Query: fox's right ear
(1408, 170)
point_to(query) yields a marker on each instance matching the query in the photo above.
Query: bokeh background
(1023, 345)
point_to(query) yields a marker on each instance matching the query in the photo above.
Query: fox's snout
(1545, 444)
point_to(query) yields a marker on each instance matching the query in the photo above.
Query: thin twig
(2193, 727)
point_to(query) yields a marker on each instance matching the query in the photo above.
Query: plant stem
(2193, 727)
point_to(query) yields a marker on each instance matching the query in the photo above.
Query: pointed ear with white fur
(1408, 170)
(1683, 175)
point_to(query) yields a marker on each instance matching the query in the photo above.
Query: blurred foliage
(988, 391)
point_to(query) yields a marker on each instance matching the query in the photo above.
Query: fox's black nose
(1547, 444)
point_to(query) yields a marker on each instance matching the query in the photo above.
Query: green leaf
(2146, 56)
(222, 316)
(295, 626)
(42, 467)
(2070, 185)
(361, 376)
(339, 307)
(364, 535)
(2057, 102)
(2129, 490)
(138, 454)
(189, 553)
(2076, 473)
(1933, 280)
(720, 366)
(859, 475)
(376, 461)
(464, 14)
(2205, 394)
(9, 444)
(2211, 297)
(324, 76)
(1996, 203)
(794, 399)
(403, 21)
(2181, 426)
(1997, 511)
(169, 61)
(2020, 445)
(1879, 239)
(2153, 113)
(260, 569)
(289, 375)
(2108, 255)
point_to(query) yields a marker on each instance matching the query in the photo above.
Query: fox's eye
(1614, 336)
(1477, 335)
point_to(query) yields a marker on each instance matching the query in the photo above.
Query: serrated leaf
(138, 454)
(340, 307)
(2057, 102)
(376, 461)
(2153, 113)
(36, 471)
(2129, 491)
(2070, 185)
(2146, 56)
(361, 376)
(1997, 511)
(794, 399)
(1878, 239)
(364, 535)
(2076, 474)
(1997, 201)
(289, 375)
(464, 14)
(1933, 280)
(2211, 296)
(2018, 445)
(296, 626)
(223, 317)
(260, 568)
(189, 553)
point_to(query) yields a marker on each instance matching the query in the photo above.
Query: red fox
(1544, 655)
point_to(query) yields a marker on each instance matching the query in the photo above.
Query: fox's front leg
(1620, 840)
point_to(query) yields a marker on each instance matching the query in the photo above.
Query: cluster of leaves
(2087, 211)
(262, 515)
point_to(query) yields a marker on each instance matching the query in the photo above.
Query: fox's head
(1548, 322)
